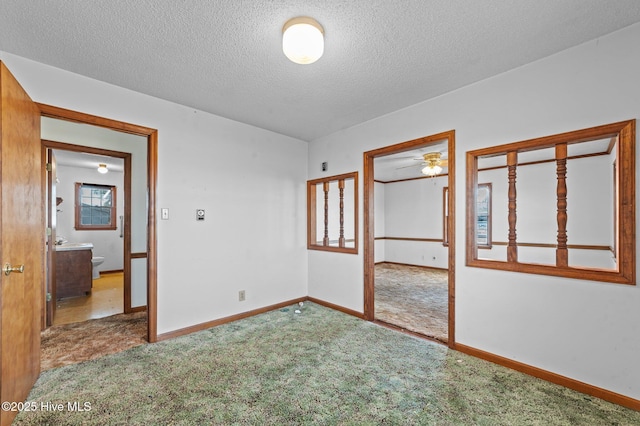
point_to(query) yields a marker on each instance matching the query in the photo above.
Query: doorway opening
(86, 213)
(138, 224)
(409, 236)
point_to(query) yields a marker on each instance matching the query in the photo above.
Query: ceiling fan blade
(406, 167)
(444, 163)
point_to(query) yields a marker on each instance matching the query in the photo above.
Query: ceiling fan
(432, 163)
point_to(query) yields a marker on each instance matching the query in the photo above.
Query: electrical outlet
(241, 296)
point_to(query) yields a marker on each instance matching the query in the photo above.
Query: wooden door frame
(49, 305)
(126, 156)
(369, 230)
(152, 171)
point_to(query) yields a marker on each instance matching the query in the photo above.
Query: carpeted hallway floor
(82, 341)
(88, 327)
(414, 298)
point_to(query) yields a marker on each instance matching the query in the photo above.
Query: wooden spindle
(341, 240)
(562, 252)
(512, 247)
(325, 239)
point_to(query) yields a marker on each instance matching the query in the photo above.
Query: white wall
(106, 243)
(584, 330)
(251, 182)
(413, 209)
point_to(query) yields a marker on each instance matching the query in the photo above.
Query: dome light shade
(102, 168)
(303, 40)
(431, 170)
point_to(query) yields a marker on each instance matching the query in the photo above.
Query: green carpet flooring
(316, 367)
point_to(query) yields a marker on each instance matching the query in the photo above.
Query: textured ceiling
(225, 57)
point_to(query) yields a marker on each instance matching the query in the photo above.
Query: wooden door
(22, 242)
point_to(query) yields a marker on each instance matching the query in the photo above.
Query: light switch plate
(164, 214)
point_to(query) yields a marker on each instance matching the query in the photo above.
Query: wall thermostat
(200, 214)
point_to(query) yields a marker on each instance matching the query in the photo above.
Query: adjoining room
(411, 247)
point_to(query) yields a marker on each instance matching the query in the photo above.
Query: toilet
(96, 261)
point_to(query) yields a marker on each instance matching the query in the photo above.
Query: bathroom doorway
(136, 147)
(73, 176)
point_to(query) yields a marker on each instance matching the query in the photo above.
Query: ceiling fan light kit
(303, 40)
(432, 163)
(431, 171)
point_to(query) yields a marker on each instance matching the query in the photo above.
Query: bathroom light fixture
(102, 168)
(303, 40)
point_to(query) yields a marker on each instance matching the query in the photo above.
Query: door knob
(9, 269)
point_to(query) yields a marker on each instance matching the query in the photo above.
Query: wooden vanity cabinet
(73, 273)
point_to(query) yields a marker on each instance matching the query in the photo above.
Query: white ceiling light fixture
(102, 168)
(303, 40)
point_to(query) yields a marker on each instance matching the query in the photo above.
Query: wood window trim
(78, 209)
(445, 216)
(624, 206)
(489, 242)
(312, 215)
